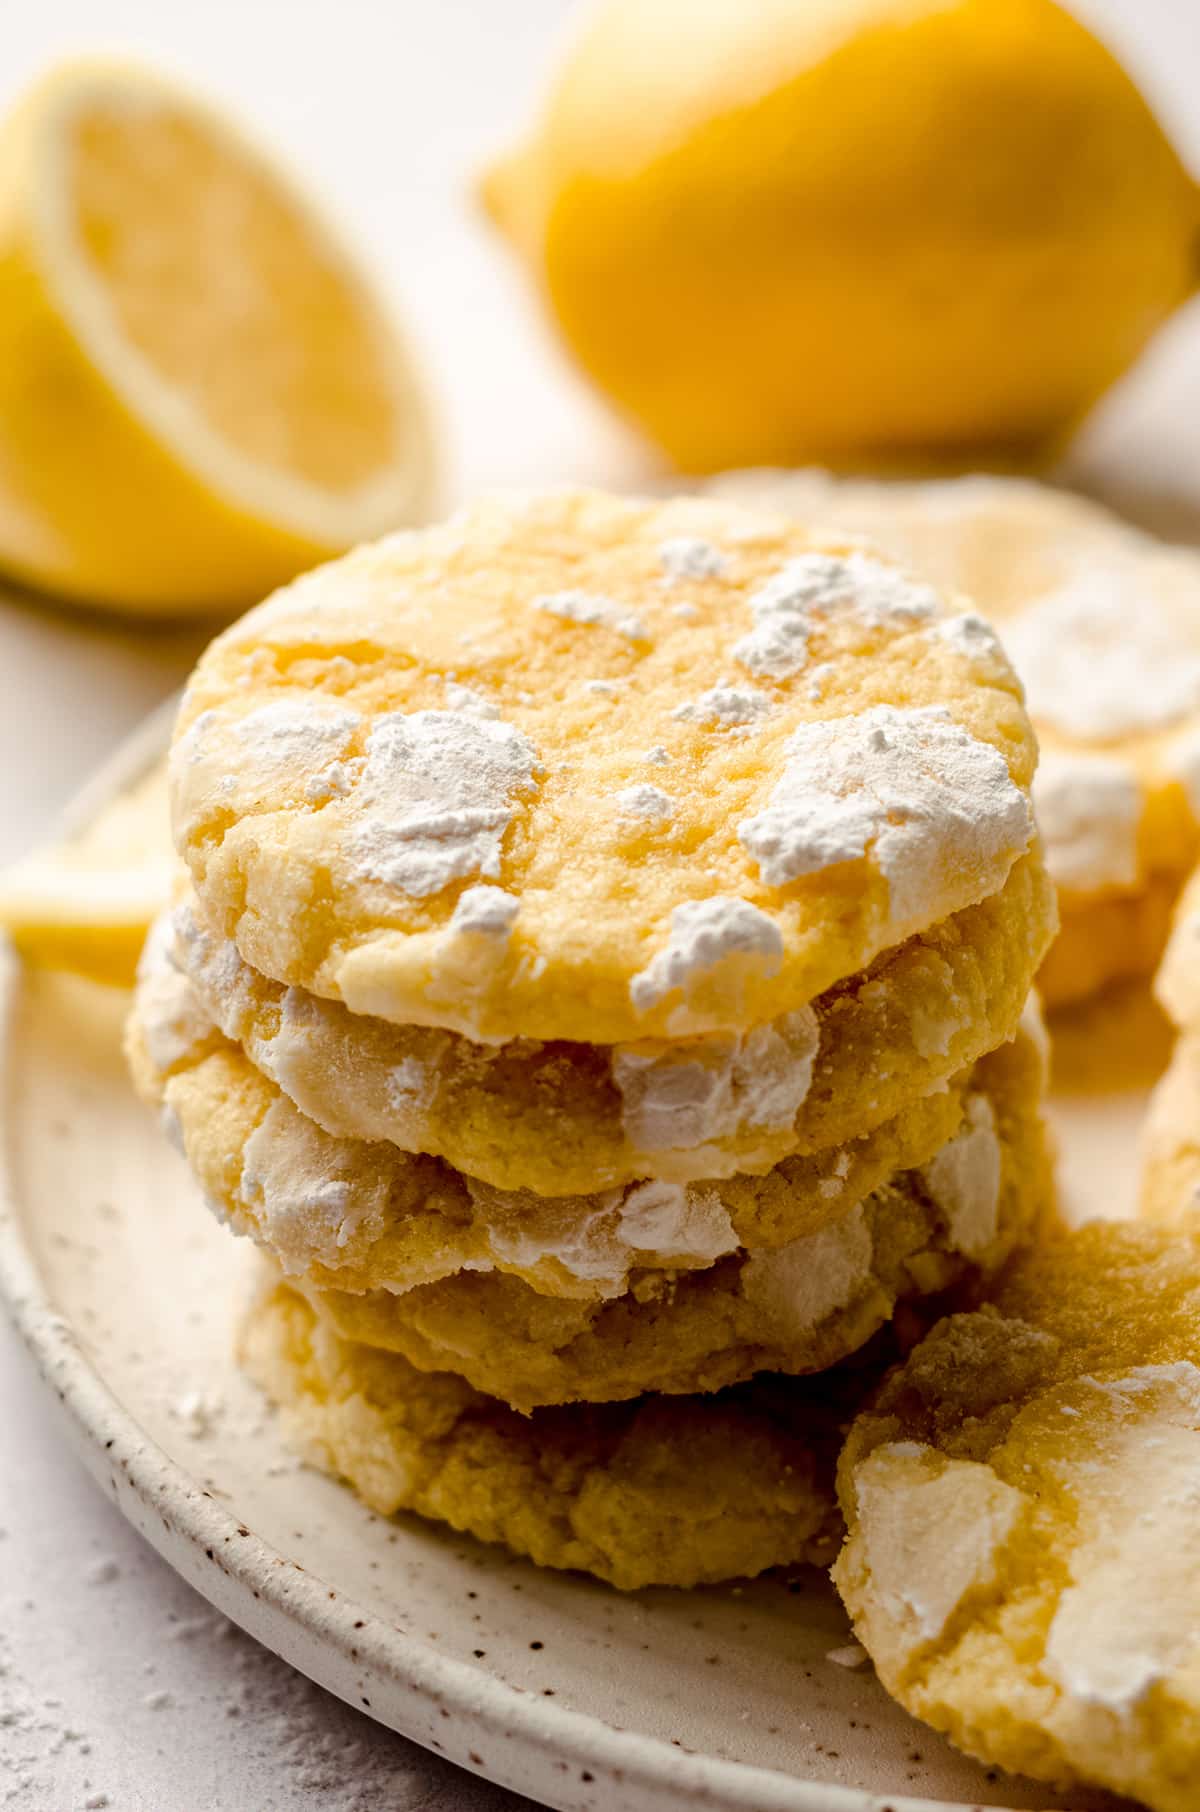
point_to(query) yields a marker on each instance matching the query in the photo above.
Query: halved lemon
(200, 391)
(86, 904)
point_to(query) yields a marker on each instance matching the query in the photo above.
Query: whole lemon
(849, 230)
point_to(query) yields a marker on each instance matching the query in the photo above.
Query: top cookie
(1103, 625)
(571, 766)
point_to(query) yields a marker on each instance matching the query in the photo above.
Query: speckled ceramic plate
(124, 1288)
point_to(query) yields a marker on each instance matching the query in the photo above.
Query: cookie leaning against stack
(1100, 622)
(600, 974)
(1021, 1501)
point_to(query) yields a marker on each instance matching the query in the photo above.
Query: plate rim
(293, 1611)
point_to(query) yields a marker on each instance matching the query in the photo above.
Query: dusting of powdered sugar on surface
(436, 795)
(929, 1530)
(1088, 808)
(1100, 658)
(644, 801)
(725, 707)
(970, 635)
(657, 757)
(676, 1222)
(817, 586)
(289, 751)
(458, 697)
(301, 1190)
(214, 965)
(283, 742)
(689, 557)
(704, 934)
(963, 1180)
(912, 787)
(410, 1087)
(590, 609)
(677, 1095)
(484, 912)
(598, 1238)
(171, 1017)
(798, 1286)
(1130, 1615)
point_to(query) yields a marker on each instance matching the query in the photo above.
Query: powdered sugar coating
(724, 707)
(1101, 659)
(289, 749)
(467, 698)
(689, 557)
(815, 586)
(484, 912)
(598, 1240)
(964, 1180)
(930, 1531)
(173, 1020)
(436, 795)
(305, 1192)
(1129, 1617)
(685, 1094)
(325, 895)
(1089, 807)
(912, 787)
(644, 801)
(587, 608)
(799, 1286)
(552, 1118)
(704, 935)
(970, 635)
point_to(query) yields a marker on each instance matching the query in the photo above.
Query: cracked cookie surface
(572, 766)
(1023, 1557)
(562, 1118)
(1101, 623)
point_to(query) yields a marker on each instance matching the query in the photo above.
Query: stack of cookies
(1103, 625)
(599, 988)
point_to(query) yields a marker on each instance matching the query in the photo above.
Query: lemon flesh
(856, 231)
(85, 905)
(200, 394)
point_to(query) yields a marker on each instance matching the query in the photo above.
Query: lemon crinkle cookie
(563, 1117)
(1022, 1559)
(343, 1212)
(573, 766)
(656, 1286)
(611, 1489)
(796, 1308)
(1100, 622)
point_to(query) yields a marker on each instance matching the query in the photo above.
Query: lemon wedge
(86, 904)
(200, 392)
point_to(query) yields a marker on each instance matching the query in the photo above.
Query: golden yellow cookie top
(577, 766)
(1023, 1562)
